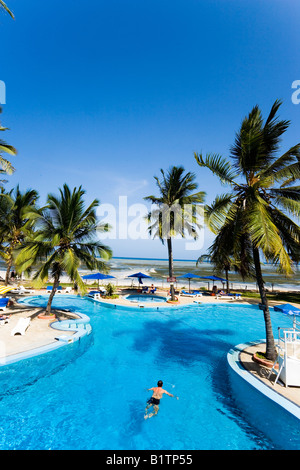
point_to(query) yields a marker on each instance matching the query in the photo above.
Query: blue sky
(105, 93)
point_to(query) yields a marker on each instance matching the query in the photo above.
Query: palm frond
(217, 213)
(218, 166)
(5, 7)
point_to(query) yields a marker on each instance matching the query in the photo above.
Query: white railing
(288, 358)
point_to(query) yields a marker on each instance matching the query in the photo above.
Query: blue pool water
(145, 298)
(97, 400)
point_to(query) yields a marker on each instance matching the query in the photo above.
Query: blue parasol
(98, 276)
(288, 309)
(140, 276)
(189, 276)
(213, 278)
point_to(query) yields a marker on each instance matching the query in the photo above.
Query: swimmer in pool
(155, 399)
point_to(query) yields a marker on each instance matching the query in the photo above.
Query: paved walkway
(38, 334)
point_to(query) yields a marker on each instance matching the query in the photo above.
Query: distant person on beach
(155, 399)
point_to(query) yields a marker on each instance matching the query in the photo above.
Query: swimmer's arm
(170, 394)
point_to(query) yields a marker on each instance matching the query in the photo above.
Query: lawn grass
(289, 297)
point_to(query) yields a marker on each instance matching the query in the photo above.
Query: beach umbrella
(213, 278)
(288, 309)
(140, 276)
(189, 276)
(98, 276)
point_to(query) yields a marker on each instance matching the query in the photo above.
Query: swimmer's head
(160, 383)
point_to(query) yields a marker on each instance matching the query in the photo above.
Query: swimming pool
(145, 298)
(97, 400)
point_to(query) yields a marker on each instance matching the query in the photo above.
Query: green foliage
(110, 290)
(14, 225)
(264, 199)
(176, 212)
(5, 165)
(64, 238)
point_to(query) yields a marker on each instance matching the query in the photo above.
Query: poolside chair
(188, 294)
(68, 290)
(197, 292)
(23, 290)
(21, 327)
(153, 290)
(58, 290)
(4, 319)
(3, 303)
(145, 290)
(225, 297)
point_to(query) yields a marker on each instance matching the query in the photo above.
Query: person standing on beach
(155, 399)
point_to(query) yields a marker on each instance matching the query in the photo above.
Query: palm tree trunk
(52, 294)
(9, 265)
(171, 271)
(270, 346)
(227, 280)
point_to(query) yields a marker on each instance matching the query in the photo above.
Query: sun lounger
(3, 303)
(21, 327)
(68, 290)
(153, 290)
(188, 294)
(197, 292)
(4, 319)
(22, 290)
(58, 290)
(145, 290)
(226, 297)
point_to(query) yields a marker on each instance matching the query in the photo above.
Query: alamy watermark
(296, 95)
(2, 92)
(133, 222)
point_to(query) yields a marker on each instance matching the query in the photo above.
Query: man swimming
(155, 399)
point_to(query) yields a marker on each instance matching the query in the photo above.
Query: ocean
(158, 269)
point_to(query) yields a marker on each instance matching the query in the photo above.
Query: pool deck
(40, 333)
(261, 372)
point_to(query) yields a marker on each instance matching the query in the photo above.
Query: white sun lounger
(68, 290)
(22, 290)
(225, 297)
(21, 327)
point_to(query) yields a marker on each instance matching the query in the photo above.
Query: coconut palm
(176, 209)
(225, 256)
(65, 237)
(6, 166)
(5, 7)
(14, 226)
(264, 202)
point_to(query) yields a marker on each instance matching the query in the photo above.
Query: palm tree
(5, 7)
(6, 166)
(176, 212)
(65, 237)
(263, 201)
(14, 226)
(225, 256)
